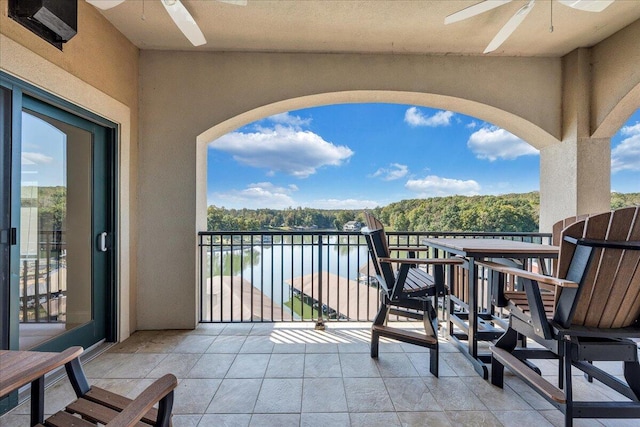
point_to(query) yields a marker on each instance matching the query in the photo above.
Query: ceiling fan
(516, 20)
(176, 10)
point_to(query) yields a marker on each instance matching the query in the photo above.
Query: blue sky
(355, 156)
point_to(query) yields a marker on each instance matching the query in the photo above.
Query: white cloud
(283, 149)
(471, 125)
(433, 185)
(343, 204)
(626, 156)
(415, 117)
(289, 119)
(35, 158)
(256, 195)
(631, 129)
(393, 172)
(494, 143)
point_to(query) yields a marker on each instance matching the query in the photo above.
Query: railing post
(320, 322)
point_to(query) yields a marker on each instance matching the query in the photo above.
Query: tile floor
(291, 375)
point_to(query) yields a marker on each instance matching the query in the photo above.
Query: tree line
(504, 213)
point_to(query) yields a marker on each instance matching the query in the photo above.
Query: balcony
(287, 373)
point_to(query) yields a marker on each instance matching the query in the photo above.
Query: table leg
(473, 308)
(37, 401)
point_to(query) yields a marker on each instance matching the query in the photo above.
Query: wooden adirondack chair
(408, 292)
(96, 406)
(595, 312)
(513, 298)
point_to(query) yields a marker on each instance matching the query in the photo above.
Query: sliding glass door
(62, 201)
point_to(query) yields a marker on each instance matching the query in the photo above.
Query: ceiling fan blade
(184, 21)
(510, 27)
(588, 5)
(474, 10)
(104, 4)
(236, 2)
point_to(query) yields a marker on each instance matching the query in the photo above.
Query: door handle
(102, 245)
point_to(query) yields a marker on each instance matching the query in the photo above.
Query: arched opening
(505, 122)
(363, 156)
(625, 163)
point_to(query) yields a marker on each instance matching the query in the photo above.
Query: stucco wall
(616, 81)
(97, 70)
(186, 94)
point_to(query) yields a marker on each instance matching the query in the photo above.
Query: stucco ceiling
(367, 26)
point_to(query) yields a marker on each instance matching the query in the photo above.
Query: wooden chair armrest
(409, 248)
(528, 274)
(423, 261)
(160, 388)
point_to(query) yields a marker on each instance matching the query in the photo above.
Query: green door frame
(104, 159)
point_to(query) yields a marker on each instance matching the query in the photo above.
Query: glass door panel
(55, 228)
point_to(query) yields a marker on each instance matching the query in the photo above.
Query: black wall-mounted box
(56, 21)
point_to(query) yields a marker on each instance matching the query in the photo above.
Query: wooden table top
(18, 368)
(490, 247)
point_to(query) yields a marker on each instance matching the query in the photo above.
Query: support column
(575, 179)
(575, 175)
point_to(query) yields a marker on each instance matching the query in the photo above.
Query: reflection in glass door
(55, 228)
(65, 216)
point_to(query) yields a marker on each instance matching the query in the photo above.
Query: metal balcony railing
(43, 280)
(271, 276)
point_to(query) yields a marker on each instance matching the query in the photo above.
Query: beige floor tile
(453, 395)
(322, 365)
(194, 344)
(358, 365)
(138, 365)
(422, 419)
(365, 394)
(235, 396)
(410, 394)
(396, 365)
(324, 419)
(126, 387)
(495, 398)
(227, 344)
(473, 419)
(285, 365)
(249, 366)
(186, 420)
(224, 420)
(279, 395)
(275, 420)
(212, 366)
(193, 396)
(521, 418)
(421, 362)
(374, 419)
(178, 364)
(323, 395)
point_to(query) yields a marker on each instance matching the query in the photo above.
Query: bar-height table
(481, 249)
(19, 368)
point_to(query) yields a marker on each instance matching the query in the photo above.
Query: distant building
(352, 226)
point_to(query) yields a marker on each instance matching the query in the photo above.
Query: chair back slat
(623, 303)
(566, 251)
(556, 235)
(608, 296)
(380, 248)
(596, 227)
(611, 278)
(556, 232)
